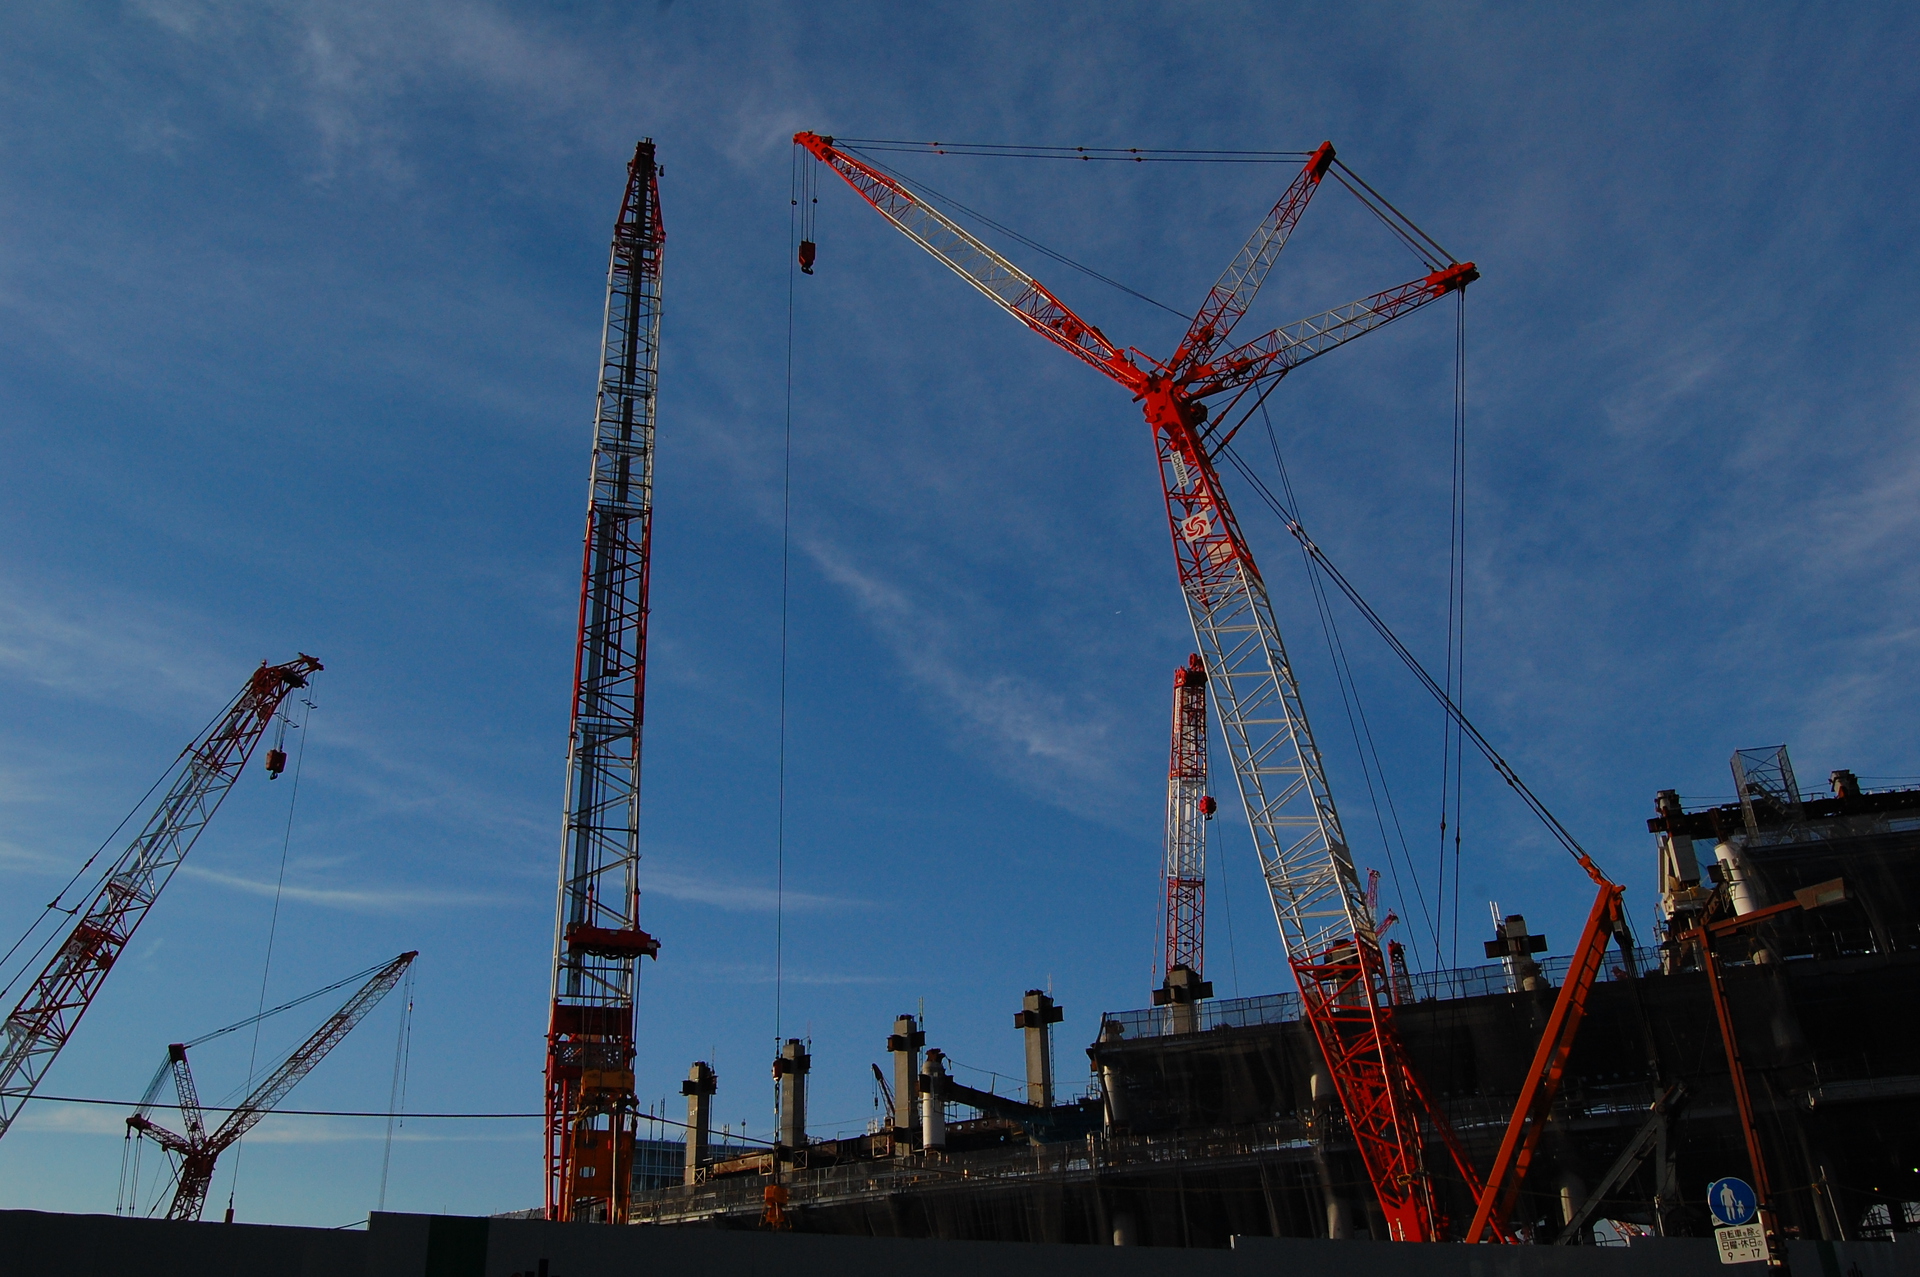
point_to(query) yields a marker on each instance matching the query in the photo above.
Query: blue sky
(301, 308)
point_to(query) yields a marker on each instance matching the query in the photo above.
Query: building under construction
(1521, 1101)
(1211, 1118)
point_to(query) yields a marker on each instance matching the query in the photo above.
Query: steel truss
(46, 1017)
(197, 1150)
(1188, 809)
(1317, 899)
(597, 941)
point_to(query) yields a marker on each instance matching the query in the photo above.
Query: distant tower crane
(47, 1016)
(1189, 808)
(1317, 898)
(597, 940)
(197, 1150)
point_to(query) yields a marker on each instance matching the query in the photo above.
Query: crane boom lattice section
(197, 1150)
(1188, 809)
(1325, 921)
(1006, 285)
(48, 1014)
(597, 940)
(1303, 854)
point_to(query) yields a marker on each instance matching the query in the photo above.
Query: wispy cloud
(98, 646)
(56, 1117)
(397, 899)
(1025, 722)
(738, 896)
(720, 893)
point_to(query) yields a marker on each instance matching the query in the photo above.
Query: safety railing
(1418, 986)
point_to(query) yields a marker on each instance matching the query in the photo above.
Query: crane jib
(1324, 918)
(47, 1015)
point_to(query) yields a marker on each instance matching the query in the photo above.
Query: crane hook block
(1208, 805)
(808, 252)
(276, 762)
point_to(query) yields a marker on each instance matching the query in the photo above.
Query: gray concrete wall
(34, 1242)
(37, 1242)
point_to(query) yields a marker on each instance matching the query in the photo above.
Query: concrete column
(698, 1088)
(1521, 946)
(1036, 1013)
(1182, 990)
(1111, 1087)
(791, 1070)
(933, 1100)
(904, 1044)
(1742, 891)
(1573, 1195)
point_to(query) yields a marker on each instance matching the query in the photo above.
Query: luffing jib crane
(46, 1017)
(198, 1150)
(1317, 899)
(597, 940)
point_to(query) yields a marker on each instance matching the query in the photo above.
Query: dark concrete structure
(1214, 1119)
(33, 1242)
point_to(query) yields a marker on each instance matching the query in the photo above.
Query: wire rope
(786, 577)
(1112, 154)
(921, 189)
(53, 906)
(273, 924)
(358, 977)
(1357, 722)
(1457, 593)
(1226, 907)
(397, 1089)
(354, 1113)
(1560, 833)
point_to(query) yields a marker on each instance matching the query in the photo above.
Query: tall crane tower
(1317, 898)
(1189, 808)
(46, 1017)
(597, 940)
(198, 1149)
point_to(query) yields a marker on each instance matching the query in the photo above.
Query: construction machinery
(1605, 921)
(46, 1017)
(597, 940)
(1188, 400)
(1189, 808)
(197, 1150)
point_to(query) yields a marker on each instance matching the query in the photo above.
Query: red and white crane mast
(1317, 898)
(1189, 807)
(597, 940)
(46, 1017)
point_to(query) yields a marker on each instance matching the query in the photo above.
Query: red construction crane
(1605, 921)
(1189, 808)
(597, 940)
(1317, 898)
(46, 1017)
(197, 1150)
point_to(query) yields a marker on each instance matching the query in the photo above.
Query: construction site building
(1212, 1119)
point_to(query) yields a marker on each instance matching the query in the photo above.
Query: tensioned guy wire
(786, 561)
(273, 925)
(1559, 831)
(920, 189)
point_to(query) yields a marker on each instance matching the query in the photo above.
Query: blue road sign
(1732, 1201)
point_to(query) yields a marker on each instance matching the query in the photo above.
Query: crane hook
(807, 253)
